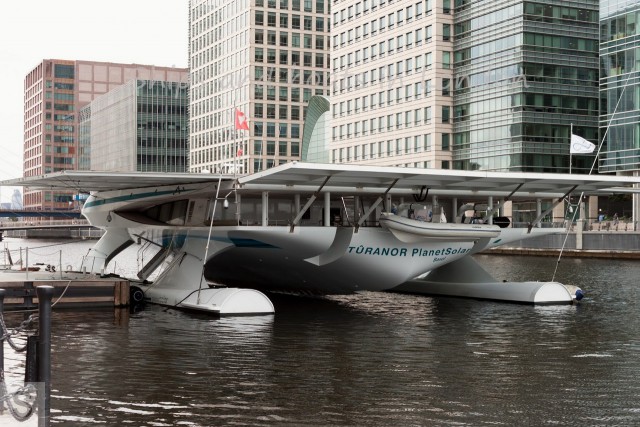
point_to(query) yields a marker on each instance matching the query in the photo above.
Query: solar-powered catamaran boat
(309, 228)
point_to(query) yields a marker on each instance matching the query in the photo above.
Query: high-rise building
(54, 92)
(140, 126)
(264, 58)
(392, 68)
(619, 89)
(525, 72)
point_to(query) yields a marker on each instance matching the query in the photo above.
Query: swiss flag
(241, 121)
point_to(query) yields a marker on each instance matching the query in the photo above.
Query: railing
(43, 223)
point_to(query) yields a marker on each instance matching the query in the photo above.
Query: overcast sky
(148, 32)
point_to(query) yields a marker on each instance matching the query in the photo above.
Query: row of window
(295, 5)
(388, 71)
(373, 150)
(532, 12)
(286, 75)
(296, 56)
(294, 59)
(363, 31)
(399, 16)
(383, 47)
(282, 39)
(298, 22)
(307, 77)
(389, 122)
(390, 96)
(274, 111)
(270, 130)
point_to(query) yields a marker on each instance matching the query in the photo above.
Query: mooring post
(45, 295)
(2, 293)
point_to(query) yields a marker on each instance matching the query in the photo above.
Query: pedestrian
(615, 218)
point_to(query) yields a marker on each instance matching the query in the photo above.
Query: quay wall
(599, 244)
(55, 233)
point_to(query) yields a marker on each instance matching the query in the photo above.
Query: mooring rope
(8, 334)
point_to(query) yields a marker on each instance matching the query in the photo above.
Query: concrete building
(392, 67)
(54, 92)
(265, 58)
(140, 126)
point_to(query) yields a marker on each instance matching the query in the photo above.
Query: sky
(147, 32)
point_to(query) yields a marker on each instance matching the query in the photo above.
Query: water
(374, 359)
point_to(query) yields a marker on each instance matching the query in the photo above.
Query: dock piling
(2, 293)
(45, 295)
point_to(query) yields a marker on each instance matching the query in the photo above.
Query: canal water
(372, 359)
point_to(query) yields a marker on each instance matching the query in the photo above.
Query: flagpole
(570, 150)
(235, 152)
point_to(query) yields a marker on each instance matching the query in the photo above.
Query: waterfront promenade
(607, 239)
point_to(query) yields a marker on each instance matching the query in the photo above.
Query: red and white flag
(241, 121)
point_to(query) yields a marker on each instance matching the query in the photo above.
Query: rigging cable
(595, 160)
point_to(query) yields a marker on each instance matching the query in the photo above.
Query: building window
(271, 111)
(445, 142)
(258, 111)
(271, 56)
(446, 60)
(271, 38)
(446, 87)
(446, 32)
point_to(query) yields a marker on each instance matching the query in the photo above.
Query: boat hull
(308, 260)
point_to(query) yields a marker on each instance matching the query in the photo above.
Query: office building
(139, 126)
(525, 72)
(619, 53)
(392, 68)
(54, 92)
(619, 89)
(264, 58)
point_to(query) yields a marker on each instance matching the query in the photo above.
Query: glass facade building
(140, 126)
(265, 58)
(525, 72)
(620, 85)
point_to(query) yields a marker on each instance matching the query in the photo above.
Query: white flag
(580, 145)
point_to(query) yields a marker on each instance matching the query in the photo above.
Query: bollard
(2, 294)
(45, 295)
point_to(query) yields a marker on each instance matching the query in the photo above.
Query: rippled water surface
(367, 359)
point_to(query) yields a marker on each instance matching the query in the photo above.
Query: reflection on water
(366, 359)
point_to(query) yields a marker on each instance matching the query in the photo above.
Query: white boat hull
(410, 230)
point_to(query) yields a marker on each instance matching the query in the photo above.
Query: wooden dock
(72, 293)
